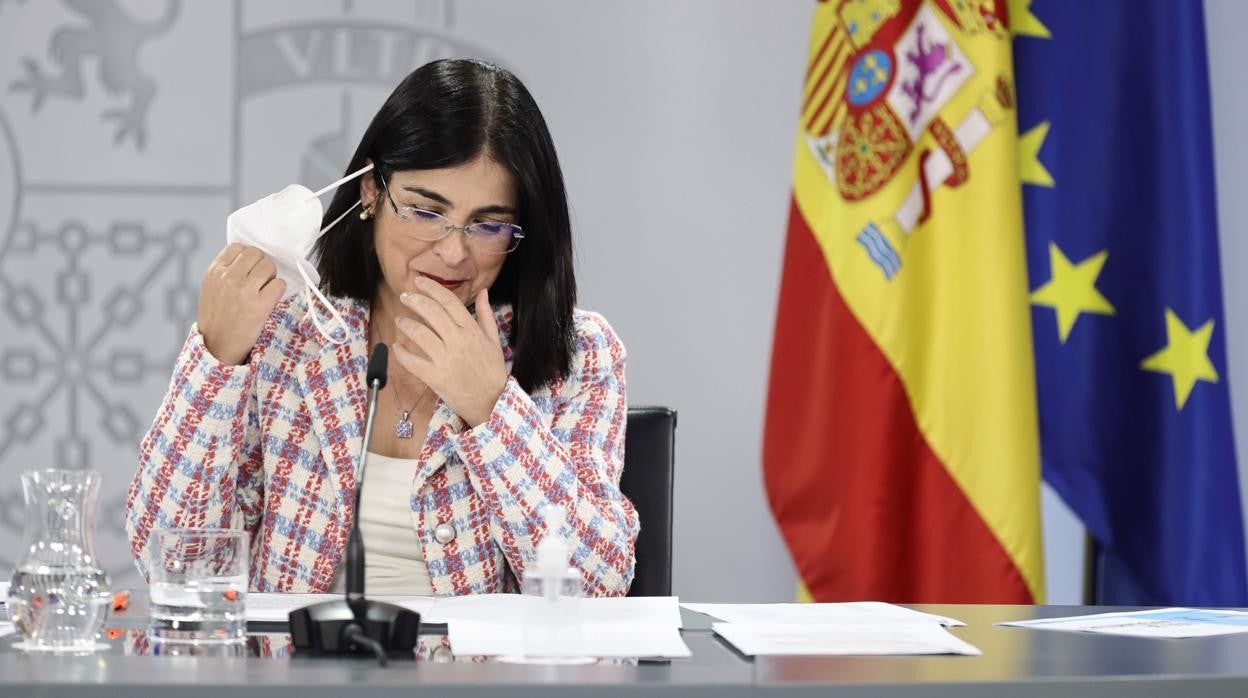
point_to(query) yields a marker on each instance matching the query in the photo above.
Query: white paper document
(661, 611)
(492, 608)
(623, 639)
(816, 613)
(493, 624)
(275, 608)
(1162, 622)
(843, 639)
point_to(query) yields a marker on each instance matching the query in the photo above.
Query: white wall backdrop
(120, 158)
(675, 123)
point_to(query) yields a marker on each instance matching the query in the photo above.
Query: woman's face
(481, 190)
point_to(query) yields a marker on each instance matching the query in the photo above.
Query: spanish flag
(901, 448)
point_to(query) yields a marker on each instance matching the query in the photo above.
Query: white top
(393, 561)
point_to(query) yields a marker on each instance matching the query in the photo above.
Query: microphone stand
(356, 626)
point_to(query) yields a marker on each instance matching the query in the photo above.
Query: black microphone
(355, 626)
(378, 368)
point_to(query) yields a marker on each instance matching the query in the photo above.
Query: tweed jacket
(271, 447)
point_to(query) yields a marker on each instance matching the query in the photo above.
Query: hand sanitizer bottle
(552, 619)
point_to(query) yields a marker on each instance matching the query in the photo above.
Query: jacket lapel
(332, 382)
(439, 446)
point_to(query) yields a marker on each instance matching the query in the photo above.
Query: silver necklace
(403, 428)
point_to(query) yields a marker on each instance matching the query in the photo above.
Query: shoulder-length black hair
(444, 114)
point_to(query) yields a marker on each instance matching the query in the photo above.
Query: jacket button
(444, 533)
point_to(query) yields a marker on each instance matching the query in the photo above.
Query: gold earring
(366, 213)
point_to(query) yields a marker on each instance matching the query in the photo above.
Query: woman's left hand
(458, 357)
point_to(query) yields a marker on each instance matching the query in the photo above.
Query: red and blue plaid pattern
(271, 447)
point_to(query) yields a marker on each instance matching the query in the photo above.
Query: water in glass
(198, 585)
(59, 595)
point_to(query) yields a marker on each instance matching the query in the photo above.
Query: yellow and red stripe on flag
(901, 453)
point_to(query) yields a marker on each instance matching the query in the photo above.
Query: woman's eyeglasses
(491, 237)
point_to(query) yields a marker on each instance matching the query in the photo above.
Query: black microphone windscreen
(377, 366)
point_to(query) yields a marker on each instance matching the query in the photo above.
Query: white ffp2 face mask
(285, 226)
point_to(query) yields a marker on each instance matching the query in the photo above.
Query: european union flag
(1117, 164)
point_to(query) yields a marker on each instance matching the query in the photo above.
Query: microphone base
(318, 630)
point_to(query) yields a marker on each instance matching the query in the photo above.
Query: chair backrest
(649, 465)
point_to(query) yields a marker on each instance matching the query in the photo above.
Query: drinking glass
(198, 585)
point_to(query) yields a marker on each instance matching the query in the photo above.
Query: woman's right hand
(239, 291)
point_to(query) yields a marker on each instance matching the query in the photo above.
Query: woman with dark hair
(502, 397)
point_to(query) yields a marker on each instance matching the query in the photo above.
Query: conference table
(1015, 662)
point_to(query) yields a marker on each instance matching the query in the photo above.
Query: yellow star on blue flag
(1185, 357)
(1116, 168)
(1072, 289)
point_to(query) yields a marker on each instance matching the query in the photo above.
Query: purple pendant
(403, 427)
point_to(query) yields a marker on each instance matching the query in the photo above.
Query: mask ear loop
(334, 335)
(344, 180)
(312, 294)
(339, 218)
(338, 335)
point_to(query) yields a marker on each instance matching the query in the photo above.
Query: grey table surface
(1016, 662)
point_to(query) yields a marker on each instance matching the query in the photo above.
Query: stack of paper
(855, 639)
(1163, 622)
(276, 608)
(493, 624)
(865, 628)
(806, 613)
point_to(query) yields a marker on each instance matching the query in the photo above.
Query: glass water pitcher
(59, 595)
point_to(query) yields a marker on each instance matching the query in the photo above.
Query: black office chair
(649, 464)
